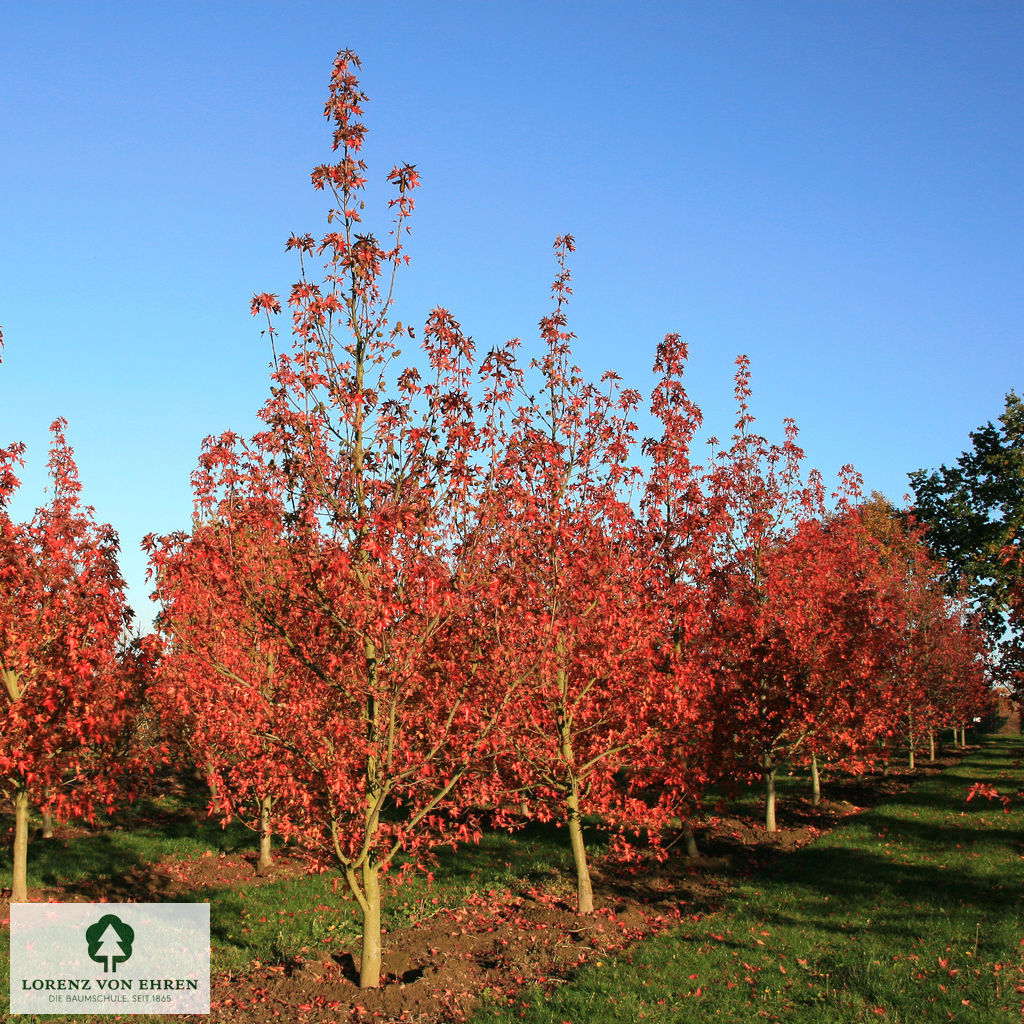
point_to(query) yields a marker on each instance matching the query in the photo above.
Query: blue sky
(833, 188)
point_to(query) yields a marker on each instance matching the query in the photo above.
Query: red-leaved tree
(220, 670)
(571, 581)
(794, 635)
(688, 749)
(372, 481)
(66, 695)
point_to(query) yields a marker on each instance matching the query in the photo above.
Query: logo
(110, 942)
(109, 958)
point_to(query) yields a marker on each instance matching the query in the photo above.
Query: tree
(374, 482)
(938, 652)
(840, 618)
(795, 631)
(570, 577)
(688, 748)
(67, 694)
(214, 649)
(973, 510)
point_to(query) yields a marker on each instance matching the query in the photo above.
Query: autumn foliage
(423, 594)
(420, 595)
(69, 694)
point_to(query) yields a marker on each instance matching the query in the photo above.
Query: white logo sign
(110, 958)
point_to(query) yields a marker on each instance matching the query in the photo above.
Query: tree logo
(110, 942)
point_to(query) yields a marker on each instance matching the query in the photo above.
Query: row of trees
(417, 597)
(414, 597)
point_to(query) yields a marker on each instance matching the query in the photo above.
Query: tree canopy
(974, 509)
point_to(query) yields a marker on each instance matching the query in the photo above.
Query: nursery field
(895, 900)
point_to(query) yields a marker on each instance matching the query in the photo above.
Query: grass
(282, 921)
(911, 912)
(289, 919)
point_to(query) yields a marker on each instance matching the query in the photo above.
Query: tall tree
(973, 509)
(691, 745)
(67, 693)
(372, 479)
(765, 499)
(570, 576)
(795, 630)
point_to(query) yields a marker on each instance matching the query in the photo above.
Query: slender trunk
(815, 781)
(266, 859)
(584, 890)
(19, 882)
(910, 738)
(769, 795)
(47, 815)
(691, 841)
(369, 963)
(931, 745)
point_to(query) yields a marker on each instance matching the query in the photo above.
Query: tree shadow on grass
(114, 859)
(532, 852)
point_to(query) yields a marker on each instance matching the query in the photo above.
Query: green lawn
(909, 913)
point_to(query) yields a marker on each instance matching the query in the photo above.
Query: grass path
(912, 912)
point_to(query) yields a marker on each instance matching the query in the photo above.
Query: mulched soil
(499, 941)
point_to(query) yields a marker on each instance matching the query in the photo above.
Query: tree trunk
(910, 737)
(815, 781)
(769, 796)
(691, 841)
(47, 815)
(584, 890)
(211, 782)
(19, 881)
(266, 859)
(369, 963)
(931, 745)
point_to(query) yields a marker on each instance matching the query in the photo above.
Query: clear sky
(833, 188)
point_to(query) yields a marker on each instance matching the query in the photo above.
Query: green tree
(973, 510)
